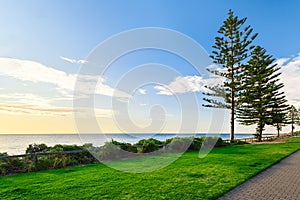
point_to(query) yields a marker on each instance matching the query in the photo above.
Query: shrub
(3, 154)
(152, 140)
(148, 145)
(60, 161)
(125, 146)
(179, 144)
(109, 151)
(196, 143)
(44, 162)
(34, 148)
(4, 166)
(213, 142)
(13, 165)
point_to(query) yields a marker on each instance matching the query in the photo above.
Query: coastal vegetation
(61, 156)
(112, 150)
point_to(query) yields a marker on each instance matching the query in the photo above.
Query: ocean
(17, 143)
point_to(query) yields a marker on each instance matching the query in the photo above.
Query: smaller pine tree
(261, 92)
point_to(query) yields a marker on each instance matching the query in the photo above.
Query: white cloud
(26, 103)
(31, 104)
(26, 99)
(141, 91)
(36, 110)
(26, 70)
(50, 110)
(290, 69)
(185, 84)
(73, 60)
(282, 61)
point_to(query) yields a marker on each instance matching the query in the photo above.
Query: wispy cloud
(26, 103)
(26, 98)
(73, 60)
(50, 110)
(36, 110)
(26, 70)
(184, 84)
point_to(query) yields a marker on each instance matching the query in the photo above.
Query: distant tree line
(251, 90)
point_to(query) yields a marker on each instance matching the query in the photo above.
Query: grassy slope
(293, 139)
(187, 178)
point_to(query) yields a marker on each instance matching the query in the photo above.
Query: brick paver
(279, 182)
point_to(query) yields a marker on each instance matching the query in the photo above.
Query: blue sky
(43, 30)
(58, 33)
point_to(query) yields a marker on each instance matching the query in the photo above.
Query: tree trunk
(231, 126)
(292, 122)
(259, 134)
(259, 131)
(231, 90)
(278, 131)
(232, 117)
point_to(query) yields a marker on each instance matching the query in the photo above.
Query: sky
(44, 45)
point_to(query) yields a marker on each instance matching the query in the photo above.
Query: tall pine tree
(261, 94)
(231, 51)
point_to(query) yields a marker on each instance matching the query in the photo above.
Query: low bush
(125, 146)
(109, 151)
(179, 144)
(34, 148)
(148, 145)
(196, 143)
(214, 141)
(14, 165)
(26, 164)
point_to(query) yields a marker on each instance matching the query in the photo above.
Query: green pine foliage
(231, 51)
(263, 102)
(279, 117)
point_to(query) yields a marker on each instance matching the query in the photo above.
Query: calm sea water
(17, 143)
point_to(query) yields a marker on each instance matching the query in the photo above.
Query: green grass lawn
(293, 139)
(187, 178)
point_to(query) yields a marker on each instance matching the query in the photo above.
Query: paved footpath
(279, 182)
